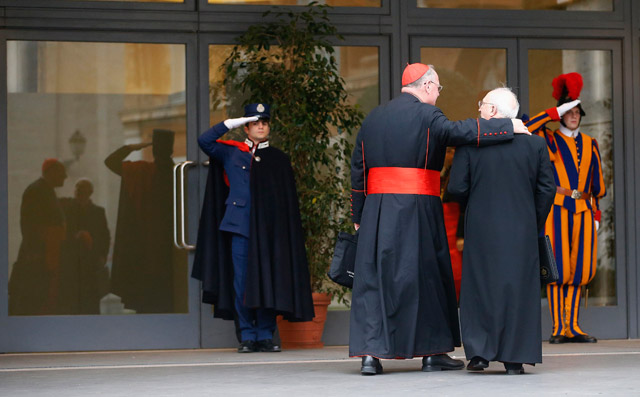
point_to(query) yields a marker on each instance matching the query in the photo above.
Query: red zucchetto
(413, 72)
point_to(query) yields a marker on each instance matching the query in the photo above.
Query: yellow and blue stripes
(571, 222)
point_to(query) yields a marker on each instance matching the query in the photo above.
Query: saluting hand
(240, 121)
(565, 107)
(139, 146)
(519, 127)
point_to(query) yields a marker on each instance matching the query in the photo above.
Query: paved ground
(606, 368)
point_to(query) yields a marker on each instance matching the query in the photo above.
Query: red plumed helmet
(567, 85)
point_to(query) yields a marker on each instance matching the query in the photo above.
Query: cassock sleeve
(545, 186)
(460, 177)
(358, 179)
(478, 132)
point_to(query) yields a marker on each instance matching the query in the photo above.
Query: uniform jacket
(576, 163)
(237, 166)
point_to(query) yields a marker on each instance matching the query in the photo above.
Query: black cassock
(277, 273)
(404, 299)
(510, 189)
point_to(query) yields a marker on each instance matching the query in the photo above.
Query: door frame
(101, 332)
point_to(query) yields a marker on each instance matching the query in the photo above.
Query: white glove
(565, 107)
(597, 225)
(239, 122)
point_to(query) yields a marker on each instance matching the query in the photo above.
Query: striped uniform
(570, 225)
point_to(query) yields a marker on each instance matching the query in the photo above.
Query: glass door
(469, 67)
(603, 302)
(98, 138)
(359, 65)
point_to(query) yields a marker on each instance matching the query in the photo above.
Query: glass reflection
(595, 66)
(114, 124)
(333, 3)
(467, 74)
(358, 65)
(567, 5)
(141, 1)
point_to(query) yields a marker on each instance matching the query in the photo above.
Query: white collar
(261, 145)
(569, 133)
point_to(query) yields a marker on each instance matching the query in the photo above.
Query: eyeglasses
(438, 85)
(480, 103)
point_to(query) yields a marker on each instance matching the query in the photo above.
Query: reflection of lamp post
(77, 142)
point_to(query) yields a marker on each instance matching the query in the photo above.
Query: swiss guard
(404, 298)
(574, 219)
(250, 253)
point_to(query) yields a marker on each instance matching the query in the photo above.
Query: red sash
(397, 180)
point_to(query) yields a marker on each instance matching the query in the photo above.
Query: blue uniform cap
(262, 110)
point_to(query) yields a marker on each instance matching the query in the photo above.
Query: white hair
(505, 101)
(427, 76)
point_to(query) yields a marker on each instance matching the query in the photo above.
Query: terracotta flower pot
(307, 334)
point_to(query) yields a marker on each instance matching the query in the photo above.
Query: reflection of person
(574, 218)
(404, 299)
(142, 269)
(33, 288)
(509, 190)
(453, 212)
(85, 277)
(250, 241)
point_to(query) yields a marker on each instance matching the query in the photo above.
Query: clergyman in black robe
(404, 299)
(509, 190)
(84, 278)
(34, 283)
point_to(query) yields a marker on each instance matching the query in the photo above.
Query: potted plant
(289, 62)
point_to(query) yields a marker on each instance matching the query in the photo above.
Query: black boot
(477, 364)
(514, 368)
(370, 366)
(440, 362)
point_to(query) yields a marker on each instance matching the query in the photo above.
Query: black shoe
(247, 346)
(440, 362)
(555, 339)
(477, 364)
(370, 366)
(266, 345)
(514, 368)
(580, 338)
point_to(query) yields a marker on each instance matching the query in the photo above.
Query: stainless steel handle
(183, 240)
(175, 208)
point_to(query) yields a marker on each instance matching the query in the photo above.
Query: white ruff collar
(569, 133)
(261, 145)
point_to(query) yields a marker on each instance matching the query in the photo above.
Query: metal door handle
(175, 208)
(183, 240)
